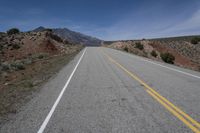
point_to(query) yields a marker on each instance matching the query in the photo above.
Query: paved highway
(104, 90)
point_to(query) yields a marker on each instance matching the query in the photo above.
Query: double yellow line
(186, 119)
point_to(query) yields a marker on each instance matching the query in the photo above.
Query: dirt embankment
(27, 60)
(186, 54)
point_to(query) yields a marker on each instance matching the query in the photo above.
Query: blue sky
(105, 19)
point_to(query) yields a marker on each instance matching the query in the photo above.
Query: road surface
(108, 91)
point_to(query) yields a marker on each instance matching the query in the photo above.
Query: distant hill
(24, 44)
(185, 49)
(73, 37)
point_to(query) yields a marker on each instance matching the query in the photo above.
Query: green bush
(167, 57)
(13, 31)
(48, 29)
(66, 41)
(4, 67)
(28, 84)
(195, 40)
(17, 66)
(55, 37)
(154, 54)
(41, 56)
(15, 46)
(139, 46)
(126, 49)
(28, 61)
(1, 47)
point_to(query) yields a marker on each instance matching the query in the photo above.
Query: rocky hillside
(22, 49)
(30, 44)
(74, 37)
(28, 59)
(181, 51)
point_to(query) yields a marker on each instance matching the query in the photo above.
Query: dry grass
(186, 55)
(17, 87)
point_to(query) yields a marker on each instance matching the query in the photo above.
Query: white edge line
(173, 69)
(44, 124)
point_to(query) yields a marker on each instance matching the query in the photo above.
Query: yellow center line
(197, 124)
(174, 112)
(186, 119)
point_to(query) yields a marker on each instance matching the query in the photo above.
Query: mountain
(73, 37)
(39, 29)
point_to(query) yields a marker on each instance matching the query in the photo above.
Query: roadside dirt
(18, 87)
(27, 60)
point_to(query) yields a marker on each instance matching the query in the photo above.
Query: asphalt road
(113, 91)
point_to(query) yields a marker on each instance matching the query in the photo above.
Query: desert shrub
(4, 67)
(126, 49)
(28, 84)
(195, 40)
(55, 37)
(154, 54)
(12, 39)
(9, 44)
(40, 56)
(47, 29)
(66, 41)
(139, 46)
(167, 57)
(1, 47)
(13, 31)
(15, 46)
(17, 66)
(27, 61)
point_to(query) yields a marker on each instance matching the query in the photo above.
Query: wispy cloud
(134, 25)
(31, 18)
(189, 25)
